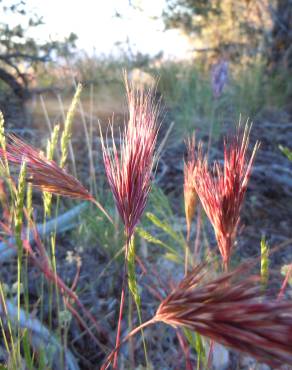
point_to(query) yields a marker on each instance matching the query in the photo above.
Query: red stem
(122, 302)
(285, 282)
(118, 336)
(132, 333)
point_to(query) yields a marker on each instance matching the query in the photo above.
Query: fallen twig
(41, 338)
(61, 223)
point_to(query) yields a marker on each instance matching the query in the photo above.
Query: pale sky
(97, 27)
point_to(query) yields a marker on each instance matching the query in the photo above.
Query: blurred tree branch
(19, 51)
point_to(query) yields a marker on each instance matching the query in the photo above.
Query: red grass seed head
(43, 173)
(129, 171)
(233, 313)
(222, 190)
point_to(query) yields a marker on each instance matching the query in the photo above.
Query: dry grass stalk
(222, 190)
(190, 195)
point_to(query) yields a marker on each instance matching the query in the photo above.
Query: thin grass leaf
(166, 227)
(151, 239)
(133, 286)
(173, 257)
(26, 350)
(196, 342)
(160, 202)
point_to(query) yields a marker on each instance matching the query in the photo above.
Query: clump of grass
(230, 308)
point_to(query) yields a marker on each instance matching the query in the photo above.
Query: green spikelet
(264, 262)
(19, 203)
(66, 134)
(18, 221)
(52, 143)
(51, 146)
(2, 135)
(29, 206)
(3, 142)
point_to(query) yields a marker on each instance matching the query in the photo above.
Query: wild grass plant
(212, 300)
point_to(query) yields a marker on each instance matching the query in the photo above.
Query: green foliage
(186, 88)
(95, 229)
(187, 91)
(133, 286)
(26, 349)
(195, 340)
(157, 227)
(224, 26)
(286, 151)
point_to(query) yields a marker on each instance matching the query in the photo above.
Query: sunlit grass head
(222, 189)
(129, 167)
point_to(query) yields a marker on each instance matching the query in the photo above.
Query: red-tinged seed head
(45, 174)
(129, 170)
(222, 190)
(232, 312)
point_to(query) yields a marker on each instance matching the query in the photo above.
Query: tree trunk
(281, 48)
(20, 91)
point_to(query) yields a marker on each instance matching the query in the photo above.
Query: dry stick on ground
(40, 336)
(59, 224)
